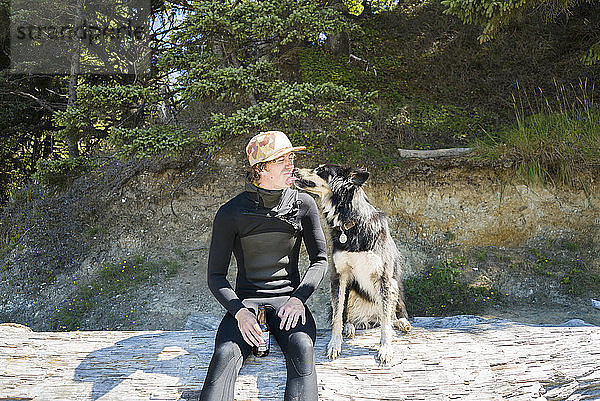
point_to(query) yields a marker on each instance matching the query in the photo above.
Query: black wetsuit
(264, 230)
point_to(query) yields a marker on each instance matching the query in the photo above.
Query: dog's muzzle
(301, 182)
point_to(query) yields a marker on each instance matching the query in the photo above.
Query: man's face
(278, 174)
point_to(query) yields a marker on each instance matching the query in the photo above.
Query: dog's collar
(345, 227)
(348, 225)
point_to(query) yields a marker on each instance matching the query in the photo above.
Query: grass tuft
(554, 142)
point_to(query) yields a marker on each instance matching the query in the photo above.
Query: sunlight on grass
(552, 143)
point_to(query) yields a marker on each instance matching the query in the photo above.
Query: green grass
(112, 281)
(442, 291)
(552, 144)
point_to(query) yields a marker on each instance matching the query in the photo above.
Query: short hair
(253, 172)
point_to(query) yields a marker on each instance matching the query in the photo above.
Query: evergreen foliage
(493, 16)
(246, 54)
(222, 69)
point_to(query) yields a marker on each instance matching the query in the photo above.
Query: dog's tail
(398, 269)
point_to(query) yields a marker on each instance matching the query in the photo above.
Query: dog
(366, 281)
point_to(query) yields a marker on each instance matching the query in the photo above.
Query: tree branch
(39, 101)
(368, 65)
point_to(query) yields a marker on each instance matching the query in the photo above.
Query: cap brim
(282, 152)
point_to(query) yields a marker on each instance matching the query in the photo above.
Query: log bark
(486, 360)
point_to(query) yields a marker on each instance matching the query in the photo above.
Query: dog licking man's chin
(290, 180)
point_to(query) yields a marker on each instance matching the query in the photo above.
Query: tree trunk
(435, 153)
(37, 150)
(289, 62)
(367, 9)
(73, 137)
(48, 147)
(236, 63)
(164, 107)
(339, 43)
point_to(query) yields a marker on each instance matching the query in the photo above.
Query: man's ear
(359, 176)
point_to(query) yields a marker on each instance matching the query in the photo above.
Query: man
(264, 227)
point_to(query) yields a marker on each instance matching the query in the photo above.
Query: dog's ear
(359, 176)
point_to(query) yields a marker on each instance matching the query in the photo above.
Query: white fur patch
(360, 201)
(363, 266)
(334, 348)
(362, 313)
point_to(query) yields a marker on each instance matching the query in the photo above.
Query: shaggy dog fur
(366, 284)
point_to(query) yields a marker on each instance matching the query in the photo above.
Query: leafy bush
(101, 106)
(323, 109)
(441, 291)
(151, 141)
(60, 173)
(249, 57)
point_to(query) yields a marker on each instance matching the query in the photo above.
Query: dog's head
(329, 178)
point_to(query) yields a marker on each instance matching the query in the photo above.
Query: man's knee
(227, 355)
(301, 354)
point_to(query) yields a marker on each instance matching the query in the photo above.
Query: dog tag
(343, 238)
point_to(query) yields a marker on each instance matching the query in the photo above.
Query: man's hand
(248, 325)
(292, 311)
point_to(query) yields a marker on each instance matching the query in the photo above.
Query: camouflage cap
(268, 146)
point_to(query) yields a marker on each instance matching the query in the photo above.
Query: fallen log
(435, 153)
(466, 358)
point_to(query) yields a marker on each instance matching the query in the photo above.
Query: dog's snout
(304, 183)
(301, 182)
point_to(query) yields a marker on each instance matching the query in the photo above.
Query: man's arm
(221, 247)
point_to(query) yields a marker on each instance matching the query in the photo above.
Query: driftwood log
(435, 153)
(438, 360)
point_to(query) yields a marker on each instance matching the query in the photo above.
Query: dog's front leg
(388, 294)
(339, 282)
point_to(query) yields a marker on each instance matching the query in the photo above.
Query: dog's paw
(403, 324)
(334, 348)
(349, 330)
(385, 354)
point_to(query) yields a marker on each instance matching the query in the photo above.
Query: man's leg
(230, 352)
(297, 345)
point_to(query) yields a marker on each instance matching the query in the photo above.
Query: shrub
(441, 291)
(61, 172)
(156, 140)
